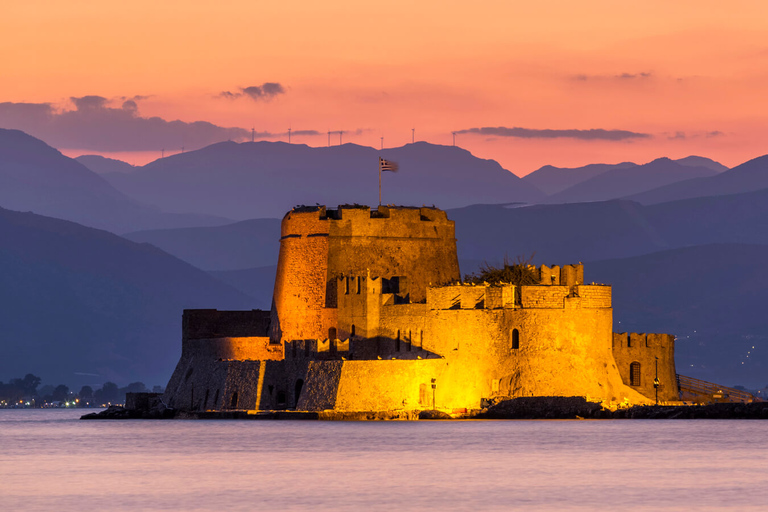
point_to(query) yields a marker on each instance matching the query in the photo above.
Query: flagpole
(379, 181)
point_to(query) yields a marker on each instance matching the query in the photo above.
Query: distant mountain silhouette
(621, 182)
(552, 180)
(36, 177)
(712, 297)
(747, 177)
(245, 244)
(265, 179)
(700, 161)
(76, 301)
(103, 165)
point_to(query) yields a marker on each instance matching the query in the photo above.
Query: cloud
(528, 133)
(632, 76)
(305, 132)
(95, 125)
(623, 77)
(716, 133)
(677, 136)
(89, 102)
(265, 91)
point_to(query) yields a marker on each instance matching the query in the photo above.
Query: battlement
(358, 211)
(567, 275)
(362, 221)
(486, 296)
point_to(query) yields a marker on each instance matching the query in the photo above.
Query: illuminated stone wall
(368, 315)
(317, 246)
(644, 349)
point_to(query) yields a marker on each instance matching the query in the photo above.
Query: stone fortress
(369, 314)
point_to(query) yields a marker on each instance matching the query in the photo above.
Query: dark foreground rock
(721, 411)
(543, 408)
(434, 415)
(138, 406)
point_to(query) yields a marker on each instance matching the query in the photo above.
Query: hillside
(747, 177)
(36, 177)
(102, 165)
(621, 182)
(265, 179)
(82, 306)
(246, 244)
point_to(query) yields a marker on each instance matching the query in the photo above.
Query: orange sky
(691, 74)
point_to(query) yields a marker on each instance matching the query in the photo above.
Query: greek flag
(387, 165)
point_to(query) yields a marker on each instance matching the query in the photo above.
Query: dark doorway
(299, 385)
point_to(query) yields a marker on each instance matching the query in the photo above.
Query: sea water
(50, 460)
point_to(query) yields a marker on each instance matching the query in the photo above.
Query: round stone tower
(414, 247)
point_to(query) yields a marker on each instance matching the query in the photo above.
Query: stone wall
(647, 350)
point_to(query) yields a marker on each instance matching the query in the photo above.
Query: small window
(629, 340)
(634, 374)
(233, 402)
(352, 332)
(359, 283)
(332, 333)
(346, 286)
(515, 339)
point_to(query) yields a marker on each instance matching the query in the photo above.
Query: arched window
(332, 333)
(515, 339)
(634, 374)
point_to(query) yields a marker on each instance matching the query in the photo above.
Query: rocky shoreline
(524, 408)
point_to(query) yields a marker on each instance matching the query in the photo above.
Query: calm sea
(49, 460)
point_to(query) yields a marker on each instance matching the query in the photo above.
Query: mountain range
(624, 180)
(36, 177)
(265, 179)
(82, 306)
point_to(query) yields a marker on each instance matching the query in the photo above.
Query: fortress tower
(411, 248)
